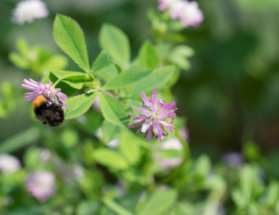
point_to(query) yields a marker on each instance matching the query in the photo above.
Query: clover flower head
(166, 4)
(28, 10)
(167, 162)
(8, 163)
(186, 12)
(155, 118)
(191, 15)
(52, 94)
(172, 144)
(41, 185)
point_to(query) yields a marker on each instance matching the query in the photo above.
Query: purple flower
(155, 117)
(52, 94)
(41, 185)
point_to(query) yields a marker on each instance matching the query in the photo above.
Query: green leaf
(129, 147)
(75, 80)
(142, 81)
(126, 79)
(70, 75)
(103, 60)
(112, 109)
(87, 208)
(78, 105)
(18, 60)
(70, 38)
(55, 62)
(180, 56)
(116, 44)
(148, 56)
(110, 159)
(103, 67)
(20, 140)
(118, 209)
(159, 202)
(156, 80)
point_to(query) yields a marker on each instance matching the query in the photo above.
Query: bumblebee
(48, 112)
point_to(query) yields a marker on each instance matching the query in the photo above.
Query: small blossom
(8, 163)
(41, 185)
(177, 8)
(233, 159)
(155, 117)
(166, 4)
(54, 95)
(166, 162)
(172, 144)
(28, 10)
(186, 12)
(191, 15)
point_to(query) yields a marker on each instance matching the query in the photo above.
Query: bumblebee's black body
(49, 113)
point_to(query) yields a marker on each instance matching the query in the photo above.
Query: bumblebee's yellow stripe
(37, 102)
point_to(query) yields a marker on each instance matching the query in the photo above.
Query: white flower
(166, 4)
(167, 162)
(41, 185)
(8, 163)
(177, 9)
(188, 13)
(28, 10)
(191, 15)
(172, 144)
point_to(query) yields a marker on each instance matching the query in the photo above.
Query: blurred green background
(229, 96)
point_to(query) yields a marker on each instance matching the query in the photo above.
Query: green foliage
(112, 110)
(101, 166)
(111, 159)
(78, 105)
(19, 140)
(103, 67)
(116, 43)
(70, 38)
(148, 56)
(36, 59)
(159, 202)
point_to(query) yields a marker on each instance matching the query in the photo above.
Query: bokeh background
(229, 96)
